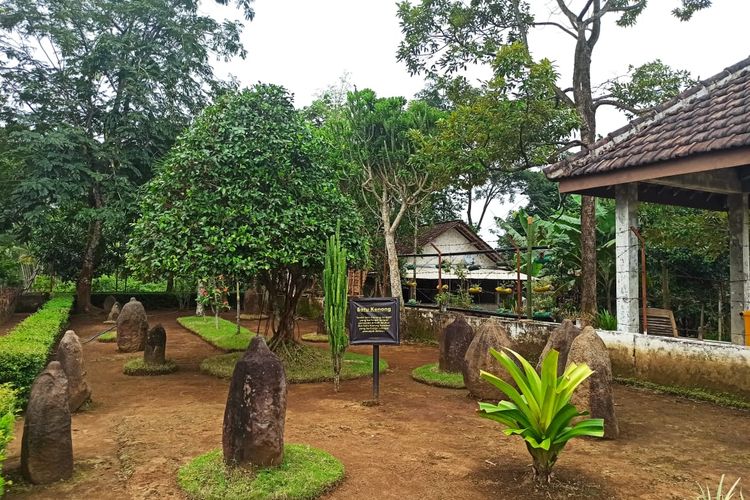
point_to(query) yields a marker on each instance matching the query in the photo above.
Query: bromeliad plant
(335, 285)
(540, 410)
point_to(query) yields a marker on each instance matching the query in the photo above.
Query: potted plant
(475, 289)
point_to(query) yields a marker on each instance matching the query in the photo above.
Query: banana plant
(539, 411)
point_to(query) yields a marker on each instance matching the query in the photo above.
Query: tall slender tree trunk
(585, 107)
(86, 276)
(391, 253)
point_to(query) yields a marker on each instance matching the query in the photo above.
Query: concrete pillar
(626, 257)
(739, 264)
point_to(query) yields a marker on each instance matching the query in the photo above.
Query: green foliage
(107, 338)
(247, 192)
(431, 375)
(720, 493)
(24, 350)
(605, 320)
(137, 366)
(309, 308)
(648, 85)
(90, 113)
(224, 337)
(304, 474)
(7, 424)
(539, 411)
(302, 364)
(335, 288)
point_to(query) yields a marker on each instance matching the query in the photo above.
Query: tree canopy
(247, 192)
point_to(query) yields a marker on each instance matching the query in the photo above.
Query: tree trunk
(170, 283)
(394, 271)
(284, 289)
(585, 107)
(200, 310)
(83, 285)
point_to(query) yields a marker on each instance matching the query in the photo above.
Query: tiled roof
(428, 234)
(713, 115)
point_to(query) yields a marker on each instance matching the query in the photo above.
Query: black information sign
(374, 321)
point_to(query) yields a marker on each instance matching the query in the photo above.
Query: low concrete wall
(8, 301)
(716, 366)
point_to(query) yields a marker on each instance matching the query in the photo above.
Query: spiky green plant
(540, 410)
(335, 286)
(720, 494)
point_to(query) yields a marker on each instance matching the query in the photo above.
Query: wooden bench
(661, 322)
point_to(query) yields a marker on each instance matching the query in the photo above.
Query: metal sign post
(374, 321)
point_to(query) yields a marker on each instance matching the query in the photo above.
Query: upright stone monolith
(478, 357)
(156, 346)
(454, 342)
(70, 356)
(595, 394)
(47, 444)
(560, 340)
(132, 326)
(109, 301)
(114, 313)
(253, 432)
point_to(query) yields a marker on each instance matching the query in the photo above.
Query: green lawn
(225, 337)
(431, 375)
(137, 366)
(108, 337)
(305, 473)
(301, 363)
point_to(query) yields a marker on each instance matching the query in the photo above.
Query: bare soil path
(11, 322)
(421, 442)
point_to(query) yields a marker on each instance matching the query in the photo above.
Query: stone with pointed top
(47, 444)
(454, 342)
(560, 340)
(114, 313)
(70, 356)
(254, 417)
(595, 394)
(478, 357)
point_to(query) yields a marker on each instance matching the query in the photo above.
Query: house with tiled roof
(693, 151)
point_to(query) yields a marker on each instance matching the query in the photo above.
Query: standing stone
(114, 313)
(595, 393)
(47, 444)
(454, 342)
(560, 340)
(478, 358)
(70, 356)
(156, 345)
(253, 432)
(251, 302)
(320, 326)
(109, 301)
(132, 326)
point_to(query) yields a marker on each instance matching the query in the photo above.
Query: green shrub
(605, 320)
(541, 412)
(25, 349)
(7, 421)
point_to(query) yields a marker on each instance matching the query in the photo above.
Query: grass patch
(108, 337)
(431, 375)
(717, 398)
(305, 473)
(137, 366)
(301, 363)
(315, 337)
(225, 337)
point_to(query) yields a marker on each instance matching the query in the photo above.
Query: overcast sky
(308, 45)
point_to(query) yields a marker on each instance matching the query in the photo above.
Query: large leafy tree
(95, 92)
(445, 36)
(248, 192)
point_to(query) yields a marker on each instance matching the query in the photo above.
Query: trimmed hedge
(25, 349)
(7, 421)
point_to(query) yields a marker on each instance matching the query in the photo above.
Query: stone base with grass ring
(137, 366)
(432, 375)
(306, 472)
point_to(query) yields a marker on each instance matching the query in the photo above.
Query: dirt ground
(11, 322)
(421, 442)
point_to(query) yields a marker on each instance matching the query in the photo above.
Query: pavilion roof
(710, 117)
